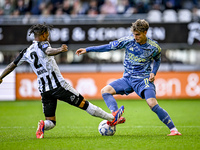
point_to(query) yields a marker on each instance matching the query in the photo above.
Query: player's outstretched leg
(98, 112)
(40, 130)
(117, 114)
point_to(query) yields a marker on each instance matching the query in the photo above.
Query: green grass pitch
(77, 130)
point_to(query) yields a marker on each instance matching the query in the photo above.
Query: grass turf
(78, 130)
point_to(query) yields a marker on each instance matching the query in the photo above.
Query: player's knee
(108, 89)
(103, 90)
(151, 102)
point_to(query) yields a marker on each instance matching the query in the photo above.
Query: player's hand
(1, 81)
(64, 48)
(152, 77)
(81, 51)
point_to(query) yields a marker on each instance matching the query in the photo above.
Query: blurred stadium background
(81, 23)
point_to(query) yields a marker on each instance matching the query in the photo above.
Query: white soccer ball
(105, 129)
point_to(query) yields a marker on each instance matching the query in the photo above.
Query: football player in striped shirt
(52, 86)
(138, 77)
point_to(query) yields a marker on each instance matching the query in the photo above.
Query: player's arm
(18, 60)
(54, 51)
(7, 70)
(156, 65)
(101, 48)
(114, 45)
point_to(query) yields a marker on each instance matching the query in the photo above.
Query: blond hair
(140, 25)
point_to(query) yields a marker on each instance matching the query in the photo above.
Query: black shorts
(49, 100)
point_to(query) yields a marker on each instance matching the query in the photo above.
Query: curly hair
(140, 26)
(39, 29)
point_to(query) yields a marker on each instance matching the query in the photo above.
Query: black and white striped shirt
(44, 66)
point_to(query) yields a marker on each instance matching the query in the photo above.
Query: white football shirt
(44, 66)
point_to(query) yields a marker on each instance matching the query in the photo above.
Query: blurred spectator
(15, 16)
(59, 12)
(27, 18)
(50, 7)
(21, 7)
(79, 8)
(196, 14)
(108, 8)
(1, 11)
(35, 7)
(16, 13)
(123, 6)
(100, 3)
(56, 4)
(93, 9)
(43, 5)
(190, 4)
(67, 8)
(59, 15)
(39, 5)
(92, 12)
(142, 6)
(2, 3)
(93, 5)
(46, 16)
(157, 5)
(8, 7)
(172, 4)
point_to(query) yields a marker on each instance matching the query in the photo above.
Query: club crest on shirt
(146, 53)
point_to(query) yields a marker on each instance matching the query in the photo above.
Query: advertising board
(169, 85)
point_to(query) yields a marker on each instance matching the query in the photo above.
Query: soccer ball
(105, 129)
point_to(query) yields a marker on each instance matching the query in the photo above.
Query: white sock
(98, 112)
(48, 124)
(174, 128)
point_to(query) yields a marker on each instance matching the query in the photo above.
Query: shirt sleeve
(157, 60)
(101, 48)
(121, 43)
(114, 45)
(44, 45)
(156, 65)
(18, 60)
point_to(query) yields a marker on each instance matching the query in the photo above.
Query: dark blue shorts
(126, 86)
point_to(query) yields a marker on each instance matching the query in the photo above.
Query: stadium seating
(169, 15)
(184, 15)
(154, 16)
